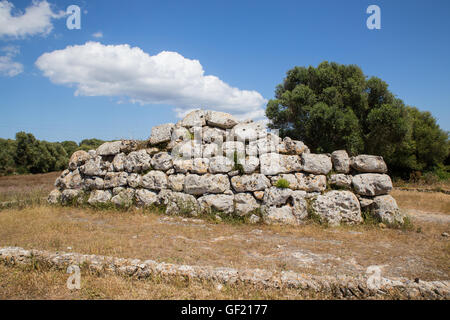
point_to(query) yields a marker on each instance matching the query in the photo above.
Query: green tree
(336, 106)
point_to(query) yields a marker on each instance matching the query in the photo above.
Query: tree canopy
(336, 106)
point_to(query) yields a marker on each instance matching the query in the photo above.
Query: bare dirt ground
(421, 252)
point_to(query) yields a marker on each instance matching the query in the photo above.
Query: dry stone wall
(210, 162)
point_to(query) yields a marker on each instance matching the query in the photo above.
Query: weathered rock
(180, 134)
(78, 158)
(211, 150)
(187, 150)
(99, 196)
(251, 182)
(176, 182)
(249, 164)
(124, 198)
(274, 196)
(230, 147)
(217, 202)
(94, 183)
(220, 164)
(70, 195)
(129, 145)
(220, 119)
(207, 183)
(200, 165)
(337, 207)
(259, 195)
(196, 118)
(54, 197)
(300, 208)
(341, 180)
(268, 144)
(162, 161)
(161, 133)
(145, 197)
(119, 162)
(154, 180)
(71, 181)
(316, 163)
(254, 219)
(341, 161)
(364, 202)
(179, 203)
(372, 184)
(386, 209)
(311, 182)
(183, 166)
(244, 203)
(109, 148)
(134, 180)
(213, 135)
(93, 167)
(274, 163)
(368, 163)
(137, 161)
(249, 131)
(279, 215)
(115, 179)
(293, 147)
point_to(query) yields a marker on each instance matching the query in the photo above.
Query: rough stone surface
(220, 164)
(161, 161)
(154, 180)
(316, 163)
(109, 148)
(54, 197)
(145, 197)
(368, 163)
(137, 161)
(311, 182)
(161, 133)
(196, 118)
(207, 183)
(176, 182)
(249, 131)
(245, 203)
(250, 182)
(78, 158)
(221, 202)
(336, 207)
(341, 161)
(99, 197)
(220, 119)
(386, 209)
(341, 180)
(372, 184)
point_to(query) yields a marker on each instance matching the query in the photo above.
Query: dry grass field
(419, 252)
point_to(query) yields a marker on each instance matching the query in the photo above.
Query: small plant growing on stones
(282, 183)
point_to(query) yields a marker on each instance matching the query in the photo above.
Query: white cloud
(8, 67)
(166, 78)
(37, 19)
(98, 34)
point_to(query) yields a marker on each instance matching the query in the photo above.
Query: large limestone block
(368, 163)
(93, 167)
(217, 202)
(386, 209)
(109, 148)
(176, 182)
(196, 118)
(187, 150)
(220, 164)
(279, 215)
(119, 161)
(245, 203)
(115, 179)
(338, 207)
(70, 195)
(246, 131)
(161, 133)
(274, 163)
(137, 161)
(372, 184)
(211, 150)
(250, 182)
(316, 163)
(230, 147)
(94, 183)
(213, 135)
(99, 196)
(72, 180)
(341, 161)
(300, 208)
(220, 119)
(311, 182)
(179, 203)
(268, 144)
(78, 158)
(293, 147)
(54, 197)
(182, 165)
(162, 161)
(200, 165)
(207, 183)
(134, 180)
(124, 198)
(249, 164)
(155, 180)
(180, 134)
(274, 196)
(341, 180)
(145, 198)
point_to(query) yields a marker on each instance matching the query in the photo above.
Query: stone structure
(210, 162)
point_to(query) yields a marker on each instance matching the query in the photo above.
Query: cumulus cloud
(98, 34)
(37, 19)
(8, 67)
(128, 72)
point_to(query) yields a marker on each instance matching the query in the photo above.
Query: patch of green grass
(282, 183)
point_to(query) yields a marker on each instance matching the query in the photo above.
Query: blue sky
(248, 45)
